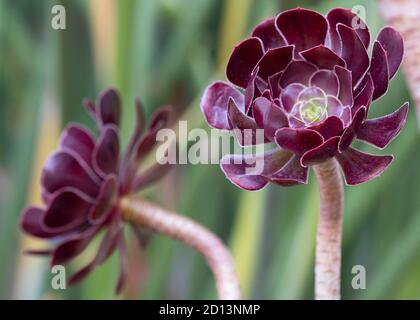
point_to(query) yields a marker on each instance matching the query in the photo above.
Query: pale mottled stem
(328, 240)
(404, 15)
(142, 213)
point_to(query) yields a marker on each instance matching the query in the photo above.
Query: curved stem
(328, 240)
(142, 213)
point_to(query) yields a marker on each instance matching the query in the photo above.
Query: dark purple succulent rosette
(83, 181)
(308, 81)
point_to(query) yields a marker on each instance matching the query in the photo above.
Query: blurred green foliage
(166, 52)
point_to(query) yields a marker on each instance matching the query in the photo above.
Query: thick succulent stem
(328, 240)
(142, 213)
(404, 15)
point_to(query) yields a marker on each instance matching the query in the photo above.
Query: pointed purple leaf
(345, 94)
(330, 127)
(303, 28)
(72, 247)
(214, 104)
(269, 117)
(139, 124)
(298, 141)
(105, 200)
(379, 70)
(364, 98)
(160, 118)
(321, 153)
(274, 84)
(246, 171)
(297, 72)
(148, 141)
(326, 80)
(90, 108)
(78, 139)
(353, 52)
(269, 34)
(150, 176)
(109, 107)
(107, 246)
(392, 41)
(348, 18)
(359, 167)
(291, 174)
(290, 95)
(106, 152)
(82, 273)
(246, 135)
(109, 242)
(243, 60)
(68, 209)
(66, 169)
(323, 57)
(274, 61)
(32, 223)
(251, 91)
(334, 107)
(123, 272)
(351, 131)
(381, 131)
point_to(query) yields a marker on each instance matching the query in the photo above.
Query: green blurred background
(167, 51)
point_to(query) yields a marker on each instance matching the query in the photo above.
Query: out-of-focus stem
(328, 240)
(404, 15)
(142, 213)
(28, 281)
(233, 25)
(103, 36)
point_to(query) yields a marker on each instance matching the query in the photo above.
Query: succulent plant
(84, 180)
(89, 186)
(308, 82)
